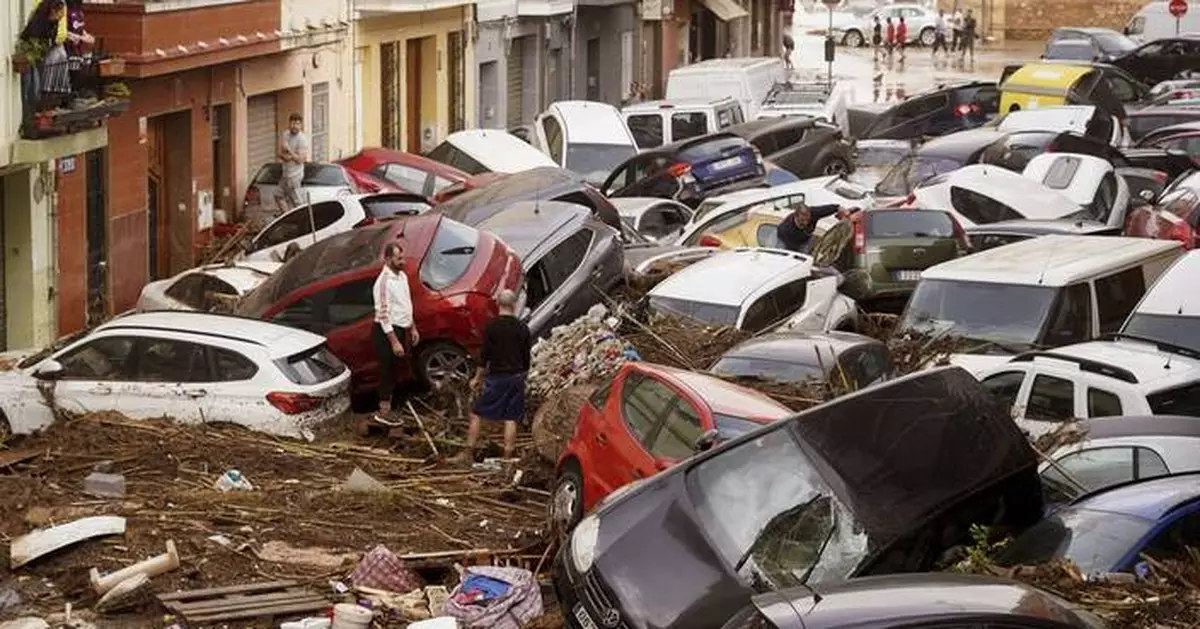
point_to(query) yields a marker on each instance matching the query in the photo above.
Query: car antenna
(1045, 267)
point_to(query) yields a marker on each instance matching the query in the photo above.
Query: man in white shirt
(293, 153)
(956, 25)
(394, 332)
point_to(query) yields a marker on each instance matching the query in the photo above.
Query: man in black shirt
(504, 361)
(795, 232)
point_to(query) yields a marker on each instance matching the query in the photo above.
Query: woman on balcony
(44, 28)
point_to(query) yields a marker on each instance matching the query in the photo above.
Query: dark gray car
(570, 258)
(800, 356)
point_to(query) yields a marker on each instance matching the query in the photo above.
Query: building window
(320, 122)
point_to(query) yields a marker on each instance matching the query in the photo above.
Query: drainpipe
(574, 44)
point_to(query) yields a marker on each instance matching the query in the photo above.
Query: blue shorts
(503, 398)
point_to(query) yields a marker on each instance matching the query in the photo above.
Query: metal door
(516, 82)
(97, 237)
(261, 133)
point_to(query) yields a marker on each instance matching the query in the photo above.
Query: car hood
(978, 363)
(10, 360)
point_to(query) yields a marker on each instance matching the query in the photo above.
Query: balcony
(368, 8)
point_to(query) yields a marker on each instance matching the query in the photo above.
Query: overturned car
(885, 480)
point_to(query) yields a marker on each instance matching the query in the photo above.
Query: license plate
(582, 616)
(906, 276)
(727, 163)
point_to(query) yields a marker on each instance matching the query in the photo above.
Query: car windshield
(1094, 540)
(713, 314)
(909, 223)
(1175, 330)
(314, 175)
(766, 369)
(450, 254)
(596, 161)
(730, 427)
(912, 171)
(1008, 316)
(764, 506)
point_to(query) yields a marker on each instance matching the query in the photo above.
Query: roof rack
(1085, 364)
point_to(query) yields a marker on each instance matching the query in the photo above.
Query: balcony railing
(62, 94)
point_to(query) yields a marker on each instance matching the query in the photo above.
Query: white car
(921, 22)
(1091, 182)
(1095, 379)
(979, 194)
(189, 366)
(756, 289)
(587, 138)
(658, 220)
(478, 151)
(322, 182)
(724, 211)
(329, 218)
(205, 287)
(1074, 118)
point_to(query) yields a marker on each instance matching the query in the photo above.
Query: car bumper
(584, 600)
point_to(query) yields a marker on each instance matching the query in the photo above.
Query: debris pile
(584, 351)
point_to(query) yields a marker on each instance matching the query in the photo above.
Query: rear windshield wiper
(457, 251)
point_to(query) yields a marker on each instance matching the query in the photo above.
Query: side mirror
(49, 370)
(707, 440)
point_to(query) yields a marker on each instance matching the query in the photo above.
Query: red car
(413, 173)
(370, 184)
(455, 273)
(470, 183)
(1176, 216)
(646, 419)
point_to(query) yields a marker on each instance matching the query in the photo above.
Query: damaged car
(841, 358)
(830, 494)
(209, 287)
(547, 183)
(192, 367)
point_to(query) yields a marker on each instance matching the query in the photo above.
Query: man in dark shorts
(394, 333)
(504, 361)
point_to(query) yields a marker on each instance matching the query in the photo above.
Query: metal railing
(64, 94)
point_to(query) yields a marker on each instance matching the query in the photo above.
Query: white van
(584, 137)
(1170, 311)
(747, 79)
(659, 122)
(1154, 21)
(479, 151)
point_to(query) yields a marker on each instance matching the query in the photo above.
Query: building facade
(523, 59)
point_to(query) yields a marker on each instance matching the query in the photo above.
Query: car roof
(1153, 368)
(392, 156)
(1140, 426)
(242, 275)
(1151, 499)
(634, 207)
(592, 122)
(676, 103)
(1175, 291)
(722, 396)
(1053, 260)
(738, 273)
(753, 128)
(725, 63)
(902, 598)
(962, 143)
(1041, 227)
(526, 225)
(1055, 75)
(1047, 118)
(799, 347)
(1010, 188)
(682, 145)
(493, 147)
(1084, 181)
(280, 341)
(751, 196)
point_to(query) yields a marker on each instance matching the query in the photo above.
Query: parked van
(1038, 85)
(1154, 21)
(584, 137)
(479, 151)
(660, 122)
(747, 79)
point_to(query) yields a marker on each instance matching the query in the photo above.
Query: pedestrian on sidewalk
(902, 37)
(891, 38)
(877, 37)
(970, 26)
(293, 153)
(940, 30)
(504, 361)
(956, 25)
(394, 333)
(789, 47)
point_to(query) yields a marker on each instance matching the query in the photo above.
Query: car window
(450, 254)
(300, 222)
(725, 223)
(188, 290)
(169, 360)
(440, 184)
(1051, 399)
(923, 106)
(1097, 468)
(1122, 88)
(101, 359)
(537, 285)
(1189, 144)
(406, 177)
(662, 220)
(1005, 386)
(1071, 317)
(1116, 297)
(312, 366)
(647, 130)
(218, 285)
(599, 398)
(388, 206)
(644, 401)
(680, 430)
(1103, 403)
(980, 208)
(688, 124)
(1184, 400)
(1174, 541)
(564, 259)
(767, 235)
(726, 117)
(230, 366)
(761, 314)
(554, 138)
(350, 302)
(1106, 195)
(864, 365)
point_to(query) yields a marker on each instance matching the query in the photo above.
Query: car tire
(927, 36)
(566, 502)
(6, 429)
(835, 166)
(441, 361)
(853, 39)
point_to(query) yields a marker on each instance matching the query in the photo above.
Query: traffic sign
(1178, 8)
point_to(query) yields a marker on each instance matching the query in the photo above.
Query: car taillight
(860, 235)
(293, 403)
(679, 170)
(966, 109)
(252, 197)
(906, 201)
(1184, 234)
(708, 240)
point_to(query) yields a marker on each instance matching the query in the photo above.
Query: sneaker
(386, 421)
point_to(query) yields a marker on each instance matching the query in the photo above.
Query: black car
(689, 171)
(937, 112)
(570, 258)
(991, 235)
(1162, 59)
(804, 146)
(837, 491)
(545, 183)
(1103, 44)
(909, 601)
(803, 356)
(1142, 122)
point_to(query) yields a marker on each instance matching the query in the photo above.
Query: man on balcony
(293, 153)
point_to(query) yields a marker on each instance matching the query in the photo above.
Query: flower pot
(20, 64)
(112, 67)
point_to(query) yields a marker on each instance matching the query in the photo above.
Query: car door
(1170, 539)
(346, 316)
(675, 437)
(302, 226)
(95, 374)
(816, 313)
(550, 138)
(1009, 388)
(647, 129)
(1116, 296)
(230, 395)
(567, 295)
(1052, 401)
(633, 414)
(168, 379)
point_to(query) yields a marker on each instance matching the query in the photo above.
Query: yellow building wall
(28, 256)
(436, 73)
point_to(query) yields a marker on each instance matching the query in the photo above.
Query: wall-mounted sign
(67, 165)
(652, 9)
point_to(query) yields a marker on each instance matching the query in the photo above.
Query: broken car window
(1005, 385)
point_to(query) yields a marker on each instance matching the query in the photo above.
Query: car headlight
(583, 543)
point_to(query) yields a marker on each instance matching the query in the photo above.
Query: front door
(158, 229)
(412, 63)
(593, 68)
(97, 238)
(624, 445)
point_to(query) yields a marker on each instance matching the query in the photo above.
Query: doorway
(95, 167)
(222, 159)
(169, 194)
(412, 109)
(703, 36)
(593, 68)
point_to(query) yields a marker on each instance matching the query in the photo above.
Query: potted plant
(27, 54)
(117, 90)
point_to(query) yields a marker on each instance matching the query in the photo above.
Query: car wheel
(835, 166)
(927, 36)
(441, 362)
(566, 505)
(6, 431)
(853, 39)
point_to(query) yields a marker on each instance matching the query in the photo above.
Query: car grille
(598, 602)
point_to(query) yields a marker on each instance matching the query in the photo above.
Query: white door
(261, 133)
(166, 380)
(94, 375)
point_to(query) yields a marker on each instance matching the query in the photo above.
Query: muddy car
(832, 493)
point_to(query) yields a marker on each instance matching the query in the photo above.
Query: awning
(725, 9)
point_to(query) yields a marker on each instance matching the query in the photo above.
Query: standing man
(504, 361)
(956, 25)
(877, 37)
(968, 34)
(789, 47)
(293, 153)
(902, 37)
(795, 232)
(394, 332)
(940, 30)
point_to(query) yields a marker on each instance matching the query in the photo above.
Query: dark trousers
(390, 364)
(939, 42)
(956, 42)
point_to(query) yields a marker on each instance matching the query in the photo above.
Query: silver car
(921, 23)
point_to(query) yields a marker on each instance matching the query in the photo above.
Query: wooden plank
(229, 589)
(260, 613)
(241, 602)
(9, 459)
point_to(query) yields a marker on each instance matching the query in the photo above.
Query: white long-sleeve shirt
(393, 301)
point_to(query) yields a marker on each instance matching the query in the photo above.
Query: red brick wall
(71, 283)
